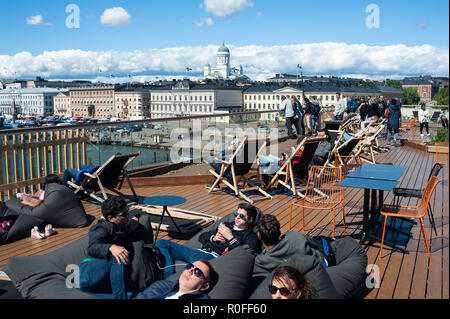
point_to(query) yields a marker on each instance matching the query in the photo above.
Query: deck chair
(342, 148)
(435, 117)
(110, 175)
(287, 170)
(369, 143)
(239, 169)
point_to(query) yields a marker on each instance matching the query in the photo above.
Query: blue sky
(160, 25)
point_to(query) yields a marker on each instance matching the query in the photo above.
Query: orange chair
(406, 127)
(321, 193)
(415, 212)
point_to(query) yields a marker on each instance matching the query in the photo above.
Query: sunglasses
(285, 292)
(197, 271)
(241, 216)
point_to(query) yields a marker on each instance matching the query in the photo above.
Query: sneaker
(35, 233)
(49, 230)
(215, 188)
(421, 135)
(428, 134)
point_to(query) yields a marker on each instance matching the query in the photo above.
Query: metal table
(373, 178)
(164, 201)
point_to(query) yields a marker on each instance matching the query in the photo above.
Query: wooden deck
(402, 276)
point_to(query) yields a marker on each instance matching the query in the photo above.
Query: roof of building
(33, 90)
(223, 48)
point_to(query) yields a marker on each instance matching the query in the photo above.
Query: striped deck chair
(369, 144)
(110, 175)
(300, 172)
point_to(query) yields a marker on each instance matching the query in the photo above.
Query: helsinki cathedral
(223, 69)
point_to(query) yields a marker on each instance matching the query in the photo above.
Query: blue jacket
(85, 169)
(394, 117)
(162, 288)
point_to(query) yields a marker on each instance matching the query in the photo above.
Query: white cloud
(205, 22)
(225, 8)
(259, 62)
(37, 20)
(115, 17)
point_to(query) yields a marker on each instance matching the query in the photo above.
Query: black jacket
(162, 288)
(246, 238)
(105, 234)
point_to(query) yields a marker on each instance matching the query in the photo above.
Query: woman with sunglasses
(194, 283)
(289, 283)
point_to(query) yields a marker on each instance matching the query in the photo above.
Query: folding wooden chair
(301, 170)
(321, 193)
(110, 175)
(368, 144)
(240, 167)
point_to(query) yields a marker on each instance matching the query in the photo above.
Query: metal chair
(417, 193)
(322, 193)
(415, 212)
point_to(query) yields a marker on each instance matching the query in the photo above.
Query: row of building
(176, 98)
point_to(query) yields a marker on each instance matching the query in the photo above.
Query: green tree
(442, 96)
(410, 96)
(394, 83)
(365, 82)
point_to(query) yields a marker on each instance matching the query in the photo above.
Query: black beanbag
(44, 277)
(61, 208)
(21, 225)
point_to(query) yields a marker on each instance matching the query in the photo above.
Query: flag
(129, 75)
(188, 69)
(100, 70)
(299, 66)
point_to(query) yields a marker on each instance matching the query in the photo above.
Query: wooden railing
(26, 158)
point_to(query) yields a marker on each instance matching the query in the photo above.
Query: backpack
(151, 265)
(323, 245)
(315, 109)
(297, 107)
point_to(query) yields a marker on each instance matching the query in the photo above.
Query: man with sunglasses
(218, 242)
(110, 244)
(194, 283)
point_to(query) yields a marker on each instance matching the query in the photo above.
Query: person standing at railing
(424, 115)
(339, 107)
(289, 114)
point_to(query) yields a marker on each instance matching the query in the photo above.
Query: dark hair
(287, 273)
(113, 205)
(269, 230)
(250, 209)
(327, 133)
(213, 277)
(393, 102)
(52, 178)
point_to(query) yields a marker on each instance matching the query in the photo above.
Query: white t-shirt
(423, 116)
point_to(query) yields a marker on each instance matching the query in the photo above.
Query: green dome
(223, 48)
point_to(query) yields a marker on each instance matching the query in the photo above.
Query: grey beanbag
(351, 260)
(21, 227)
(44, 277)
(312, 270)
(61, 208)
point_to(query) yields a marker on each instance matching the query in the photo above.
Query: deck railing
(26, 158)
(28, 155)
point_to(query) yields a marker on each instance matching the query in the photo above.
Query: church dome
(224, 49)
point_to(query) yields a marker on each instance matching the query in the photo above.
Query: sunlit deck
(402, 275)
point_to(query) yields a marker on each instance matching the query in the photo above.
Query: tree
(410, 96)
(442, 96)
(394, 83)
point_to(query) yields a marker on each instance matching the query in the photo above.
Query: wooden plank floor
(402, 275)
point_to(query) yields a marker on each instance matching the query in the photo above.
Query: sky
(374, 39)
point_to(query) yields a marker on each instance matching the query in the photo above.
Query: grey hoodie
(292, 243)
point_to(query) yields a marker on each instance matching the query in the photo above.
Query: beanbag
(61, 208)
(21, 225)
(351, 262)
(44, 277)
(313, 271)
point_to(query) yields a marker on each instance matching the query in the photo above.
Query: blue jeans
(105, 279)
(173, 251)
(314, 123)
(69, 173)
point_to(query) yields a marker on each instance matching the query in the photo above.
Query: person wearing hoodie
(279, 249)
(393, 122)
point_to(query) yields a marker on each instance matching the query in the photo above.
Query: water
(98, 154)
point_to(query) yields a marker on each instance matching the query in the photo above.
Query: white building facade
(223, 70)
(29, 101)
